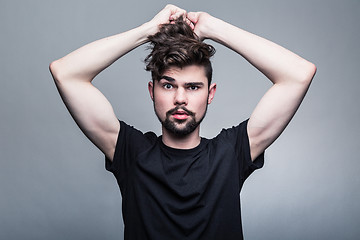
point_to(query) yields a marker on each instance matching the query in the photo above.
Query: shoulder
(130, 142)
(234, 133)
(231, 139)
(236, 139)
(129, 132)
(128, 129)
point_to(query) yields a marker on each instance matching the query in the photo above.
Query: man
(179, 185)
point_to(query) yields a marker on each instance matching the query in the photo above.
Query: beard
(173, 126)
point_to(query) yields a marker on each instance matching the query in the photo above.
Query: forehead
(192, 73)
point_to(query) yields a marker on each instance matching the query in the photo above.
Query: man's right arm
(74, 73)
(290, 74)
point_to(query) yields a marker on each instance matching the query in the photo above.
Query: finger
(178, 14)
(193, 17)
(190, 23)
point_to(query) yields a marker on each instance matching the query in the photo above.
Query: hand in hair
(200, 22)
(168, 15)
(176, 44)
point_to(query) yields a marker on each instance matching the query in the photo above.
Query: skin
(290, 74)
(186, 87)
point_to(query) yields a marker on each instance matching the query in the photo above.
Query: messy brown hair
(176, 45)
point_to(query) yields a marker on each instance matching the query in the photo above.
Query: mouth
(180, 114)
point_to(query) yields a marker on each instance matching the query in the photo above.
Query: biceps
(272, 115)
(93, 114)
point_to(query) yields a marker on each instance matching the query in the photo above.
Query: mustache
(174, 110)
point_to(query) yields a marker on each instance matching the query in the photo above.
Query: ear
(212, 91)
(151, 89)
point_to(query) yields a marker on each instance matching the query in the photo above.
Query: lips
(180, 115)
(179, 112)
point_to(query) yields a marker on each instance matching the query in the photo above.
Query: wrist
(140, 34)
(204, 25)
(214, 29)
(149, 28)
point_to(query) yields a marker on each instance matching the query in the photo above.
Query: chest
(185, 174)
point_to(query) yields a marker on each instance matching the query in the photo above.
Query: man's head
(181, 72)
(176, 45)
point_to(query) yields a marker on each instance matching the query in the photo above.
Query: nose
(180, 97)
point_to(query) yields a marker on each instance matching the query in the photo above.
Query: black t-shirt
(170, 194)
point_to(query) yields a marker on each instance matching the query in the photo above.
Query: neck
(189, 141)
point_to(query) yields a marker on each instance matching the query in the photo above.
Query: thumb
(192, 16)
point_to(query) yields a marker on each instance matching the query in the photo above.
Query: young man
(179, 185)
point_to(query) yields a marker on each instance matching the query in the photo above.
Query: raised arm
(290, 74)
(73, 75)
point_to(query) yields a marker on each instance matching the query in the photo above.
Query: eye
(167, 86)
(193, 88)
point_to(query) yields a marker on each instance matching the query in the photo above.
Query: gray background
(52, 180)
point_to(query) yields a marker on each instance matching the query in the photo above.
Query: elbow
(300, 73)
(58, 71)
(304, 73)
(52, 66)
(309, 71)
(54, 70)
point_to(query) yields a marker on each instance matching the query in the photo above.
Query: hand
(200, 22)
(167, 15)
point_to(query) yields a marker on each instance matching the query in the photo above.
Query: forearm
(86, 62)
(274, 61)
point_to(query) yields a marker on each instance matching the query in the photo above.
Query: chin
(182, 128)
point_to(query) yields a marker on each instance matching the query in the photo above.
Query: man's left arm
(290, 74)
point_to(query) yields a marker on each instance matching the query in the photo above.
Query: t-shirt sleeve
(249, 166)
(129, 143)
(238, 137)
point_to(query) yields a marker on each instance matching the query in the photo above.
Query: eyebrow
(170, 79)
(198, 84)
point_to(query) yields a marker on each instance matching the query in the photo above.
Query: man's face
(181, 97)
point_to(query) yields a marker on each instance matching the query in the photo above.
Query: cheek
(201, 105)
(162, 105)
